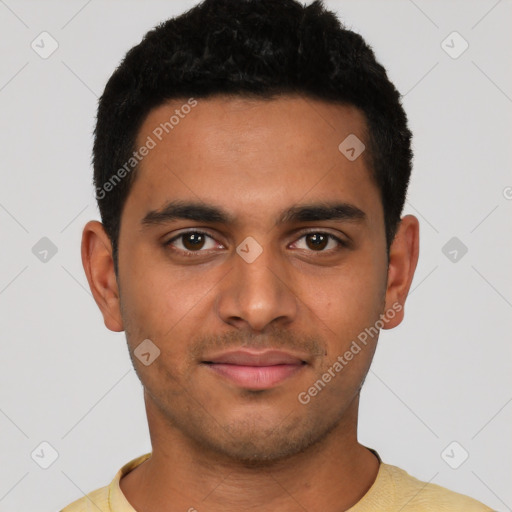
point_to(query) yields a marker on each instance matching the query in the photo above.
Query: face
(250, 297)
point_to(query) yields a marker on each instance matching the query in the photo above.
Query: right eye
(190, 242)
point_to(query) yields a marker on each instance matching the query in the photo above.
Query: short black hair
(258, 49)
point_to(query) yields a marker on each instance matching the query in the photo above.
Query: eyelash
(341, 243)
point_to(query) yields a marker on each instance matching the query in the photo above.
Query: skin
(217, 446)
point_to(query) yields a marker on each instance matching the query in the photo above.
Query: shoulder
(110, 497)
(94, 501)
(414, 495)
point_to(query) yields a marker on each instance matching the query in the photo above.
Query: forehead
(250, 154)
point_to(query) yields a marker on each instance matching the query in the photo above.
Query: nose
(258, 293)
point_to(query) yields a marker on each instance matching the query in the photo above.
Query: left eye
(318, 241)
(195, 242)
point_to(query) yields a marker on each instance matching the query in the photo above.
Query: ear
(99, 269)
(403, 258)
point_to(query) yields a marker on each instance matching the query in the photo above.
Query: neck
(333, 474)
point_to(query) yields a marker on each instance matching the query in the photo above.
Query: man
(251, 162)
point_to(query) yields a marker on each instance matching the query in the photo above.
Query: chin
(265, 446)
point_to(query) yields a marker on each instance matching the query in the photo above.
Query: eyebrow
(202, 212)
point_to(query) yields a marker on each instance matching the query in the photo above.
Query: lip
(255, 370)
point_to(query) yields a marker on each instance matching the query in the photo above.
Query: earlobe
(403, 258)
(99, 268)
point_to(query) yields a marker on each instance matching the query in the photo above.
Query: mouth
(256, 370)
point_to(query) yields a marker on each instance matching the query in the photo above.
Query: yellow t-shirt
(393, 490)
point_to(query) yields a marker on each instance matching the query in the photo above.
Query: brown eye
(320, 242)
(193, 241)
(317, 241)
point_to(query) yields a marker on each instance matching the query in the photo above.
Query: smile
(255, 370)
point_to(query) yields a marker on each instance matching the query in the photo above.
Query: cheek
(162, 302)
(343, 310)
(348, 300)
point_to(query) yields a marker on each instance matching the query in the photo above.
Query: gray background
(444, 375)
